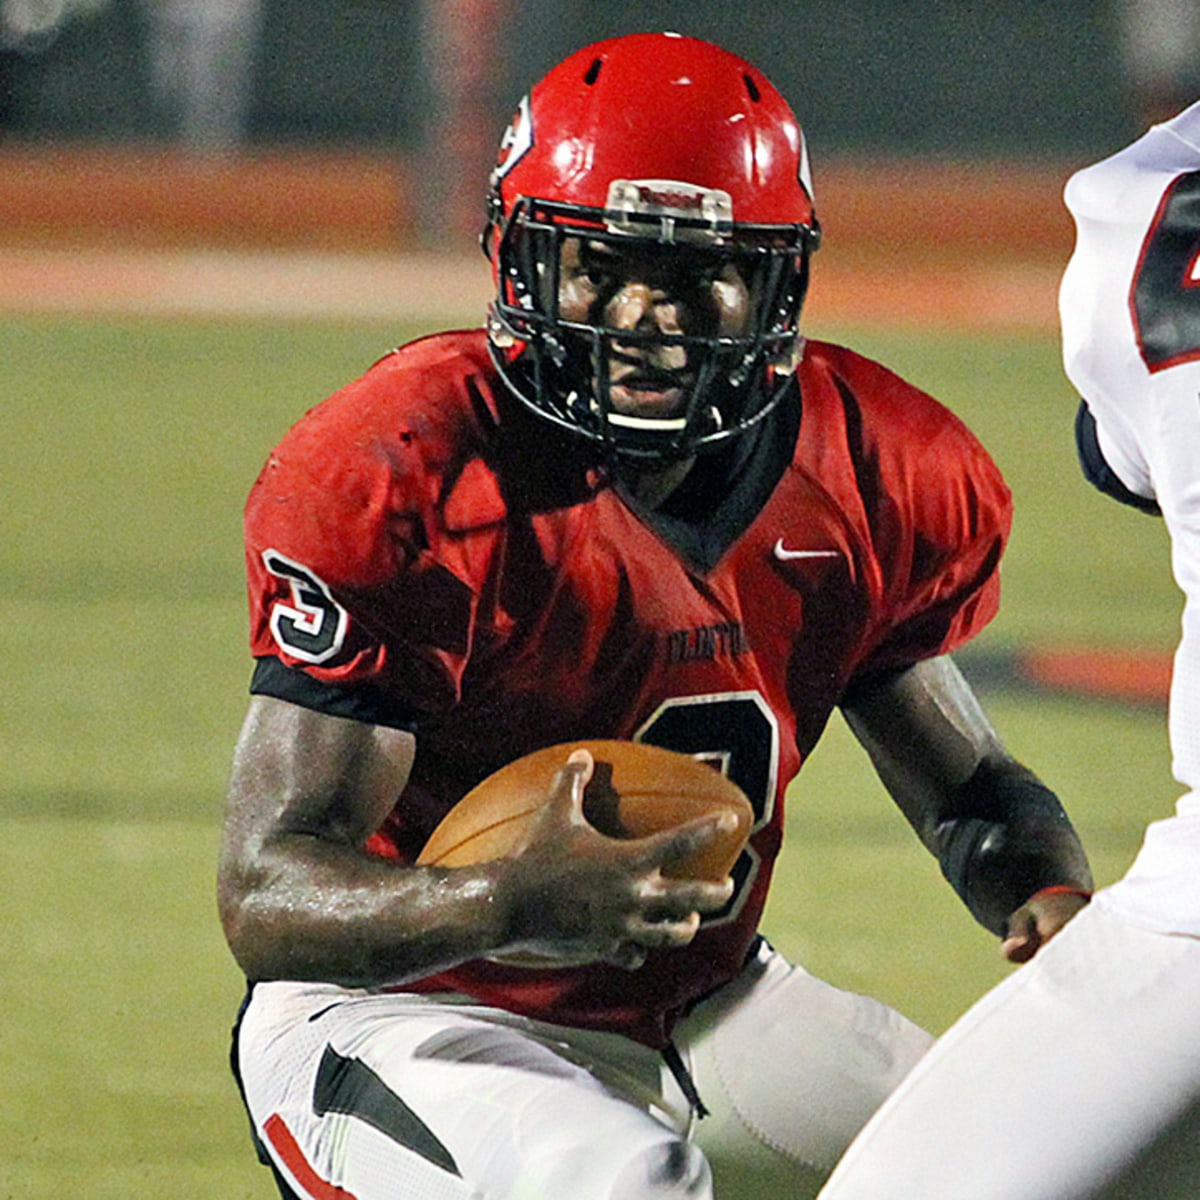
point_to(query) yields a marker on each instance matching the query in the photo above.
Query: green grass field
(127, 447)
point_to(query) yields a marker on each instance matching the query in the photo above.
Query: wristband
(1060, 889)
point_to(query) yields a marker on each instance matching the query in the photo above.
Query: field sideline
(153, 230)
(994, 297)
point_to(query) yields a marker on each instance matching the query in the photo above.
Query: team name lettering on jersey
(726, 640)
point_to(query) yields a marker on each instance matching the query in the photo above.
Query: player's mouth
(644, 392)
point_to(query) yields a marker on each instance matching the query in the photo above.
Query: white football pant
(376, 1096)
(1077, 1078)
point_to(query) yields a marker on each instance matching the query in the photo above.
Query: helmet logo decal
(516, 142)
(632, 204)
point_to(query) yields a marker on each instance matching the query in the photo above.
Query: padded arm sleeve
(1006, 837)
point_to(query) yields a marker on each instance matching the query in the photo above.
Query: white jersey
(1130, 311)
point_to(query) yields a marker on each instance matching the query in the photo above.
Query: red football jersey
(406, 543)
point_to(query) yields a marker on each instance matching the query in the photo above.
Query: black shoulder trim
(363, 703)
(1097, 471)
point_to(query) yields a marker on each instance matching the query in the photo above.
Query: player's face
(651, 290)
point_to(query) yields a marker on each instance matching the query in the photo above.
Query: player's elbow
(250, 922)
(236, 909)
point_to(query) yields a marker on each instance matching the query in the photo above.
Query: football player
(1079, 1076)
(637, 505)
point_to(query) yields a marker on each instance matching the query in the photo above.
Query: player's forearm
(299, 897)
(999, 834)
(312, 910)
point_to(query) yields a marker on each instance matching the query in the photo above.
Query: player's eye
(597, 269)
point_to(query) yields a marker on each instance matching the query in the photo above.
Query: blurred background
(215, 212)
(419, 89)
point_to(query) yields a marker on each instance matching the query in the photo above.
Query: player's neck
(651, 487)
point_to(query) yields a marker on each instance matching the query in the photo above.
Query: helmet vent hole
(593, 72)
(752, 89)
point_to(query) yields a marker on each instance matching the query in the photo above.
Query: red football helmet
(679, 149)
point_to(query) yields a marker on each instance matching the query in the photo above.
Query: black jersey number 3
(738, 735)
(1166, 287)
(313, 626)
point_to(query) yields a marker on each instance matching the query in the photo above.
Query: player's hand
(1039, 919)
(578, 896)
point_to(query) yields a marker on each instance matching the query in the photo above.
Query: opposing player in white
(1079, 1076)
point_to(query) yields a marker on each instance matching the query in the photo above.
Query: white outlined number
(1165, 297)
(313, 627)
(739, 735)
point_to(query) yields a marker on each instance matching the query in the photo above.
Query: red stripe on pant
(292, 1157)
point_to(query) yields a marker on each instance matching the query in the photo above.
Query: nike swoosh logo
(784, 554)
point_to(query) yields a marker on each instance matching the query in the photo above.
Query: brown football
(636, 790)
